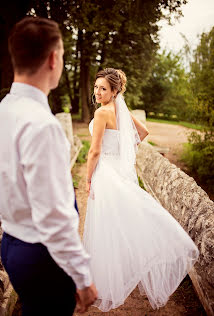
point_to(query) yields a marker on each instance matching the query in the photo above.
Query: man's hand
(85, 298)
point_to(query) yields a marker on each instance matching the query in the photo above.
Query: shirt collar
(26, 90)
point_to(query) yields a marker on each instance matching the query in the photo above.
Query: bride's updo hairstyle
(115, 77)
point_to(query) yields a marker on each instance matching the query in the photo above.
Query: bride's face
(102, 91)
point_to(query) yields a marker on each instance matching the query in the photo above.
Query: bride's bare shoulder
(101, 114)
(103, 109)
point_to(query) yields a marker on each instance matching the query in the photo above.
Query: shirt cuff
(83, 281)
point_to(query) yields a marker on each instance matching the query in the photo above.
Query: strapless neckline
(106, 129)
(111, 129)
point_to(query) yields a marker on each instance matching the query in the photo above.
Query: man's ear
(52, 60)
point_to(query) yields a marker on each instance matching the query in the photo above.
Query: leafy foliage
(152, 143)
(76, 180)
(114, 33)
(141, 184)
(176, 122)
(168, 90)
(199, 154)
(82, 157)
(202, 79)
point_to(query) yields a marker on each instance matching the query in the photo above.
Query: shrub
(199, 156)
(151, 114)
(83, 152)
(66, 109)
(160, 115)
(152, 143)
(141, 184)
(165, 116)
(76, 180)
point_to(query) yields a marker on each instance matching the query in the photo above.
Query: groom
(41, 249)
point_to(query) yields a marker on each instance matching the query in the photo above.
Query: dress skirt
(133, 241)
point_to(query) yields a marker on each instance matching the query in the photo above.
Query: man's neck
(34, 80)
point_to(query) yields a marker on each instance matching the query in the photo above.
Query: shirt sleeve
(45, 159)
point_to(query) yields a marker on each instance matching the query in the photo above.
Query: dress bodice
(110, 142)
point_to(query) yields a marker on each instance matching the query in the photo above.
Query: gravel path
(169, 136)
(184, 300)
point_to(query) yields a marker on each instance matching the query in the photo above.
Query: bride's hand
(89, 191)
(88, 187)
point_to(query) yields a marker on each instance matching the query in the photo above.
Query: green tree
(199, 154)
(10, 13)
(59, 10)
(202, 80)
(168, 89)
(120, 34)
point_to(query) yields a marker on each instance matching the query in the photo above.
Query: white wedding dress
(131, 238)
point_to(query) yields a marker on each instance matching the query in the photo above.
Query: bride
(131, 238)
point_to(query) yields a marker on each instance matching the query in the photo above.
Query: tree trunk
(6, 69)
(103, 52)
(84, 80)
(7, 21)
(75, 105)
(68, 87)
(40, 8)
(84, 90)
(55, 102)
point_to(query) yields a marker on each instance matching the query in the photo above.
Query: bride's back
(111, 122)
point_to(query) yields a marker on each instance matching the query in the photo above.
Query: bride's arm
(141, 128)
(94, 151)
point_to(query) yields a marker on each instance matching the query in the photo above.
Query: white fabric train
(131, 238)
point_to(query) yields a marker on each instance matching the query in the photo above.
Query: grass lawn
(77, 117)
(186, 124)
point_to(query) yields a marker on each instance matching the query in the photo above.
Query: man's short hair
(31, 41)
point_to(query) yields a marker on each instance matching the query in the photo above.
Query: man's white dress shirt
(36, 191)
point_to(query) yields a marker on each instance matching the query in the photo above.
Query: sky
(198, 17)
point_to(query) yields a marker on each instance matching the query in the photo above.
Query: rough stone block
(66, 121)
(190, 206)
(140, 115)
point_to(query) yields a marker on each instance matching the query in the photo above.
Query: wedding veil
(128, 136)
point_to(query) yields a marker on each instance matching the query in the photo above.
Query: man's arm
(45, 159)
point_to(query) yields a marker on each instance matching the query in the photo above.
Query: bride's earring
(93, 99)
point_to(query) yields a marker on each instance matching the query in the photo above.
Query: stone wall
(66, 122)
(140, 115)
(190, 206)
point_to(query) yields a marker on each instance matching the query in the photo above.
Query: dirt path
(170, 136)
(184, 300)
